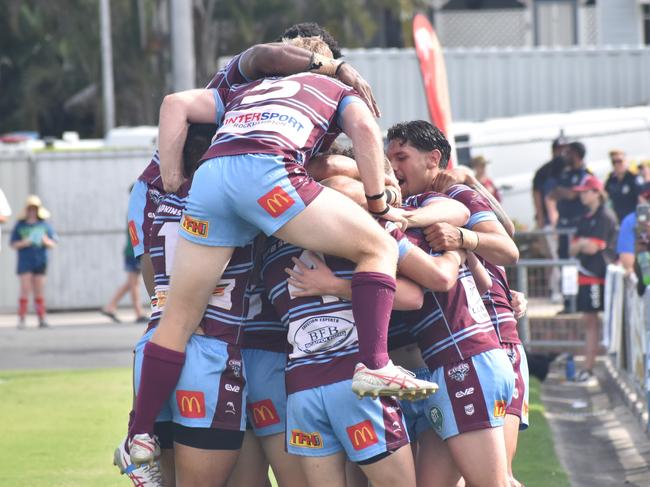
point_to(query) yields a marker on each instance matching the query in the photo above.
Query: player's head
(417, 151)
(313, 44)
(312, 29)
(198, 140)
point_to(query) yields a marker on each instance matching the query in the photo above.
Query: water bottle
(643, 258)
(570, 368)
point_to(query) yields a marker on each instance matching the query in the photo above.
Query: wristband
(323, 65)
(380, 213)
(391, 196)
(377, 196)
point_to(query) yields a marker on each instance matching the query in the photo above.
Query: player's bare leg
(326, 471)
(435, 465)
(395, 469)
(167, 467)
(286, 468)
(207, 468)
(252, 467)
(335, 225)
(354, 475)
(481, 457)
(511, 435)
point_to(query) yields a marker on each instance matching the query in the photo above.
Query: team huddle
(341, 315)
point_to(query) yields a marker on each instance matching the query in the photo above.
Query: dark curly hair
(423, 136)
(312, 29)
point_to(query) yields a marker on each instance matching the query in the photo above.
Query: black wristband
(338, 68)
(377, 196)
(380, 213)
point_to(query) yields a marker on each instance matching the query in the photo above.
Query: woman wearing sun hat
(31, 237)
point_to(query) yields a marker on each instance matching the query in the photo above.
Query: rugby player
(281, 58)
(203, 419)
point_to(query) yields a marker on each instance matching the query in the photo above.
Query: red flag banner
(434, 76)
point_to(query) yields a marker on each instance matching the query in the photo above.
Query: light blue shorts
(519, 404)
(416, 422)
(267, 395)
(211, 391)
(473, 394)
(233, 198)
(327, 419)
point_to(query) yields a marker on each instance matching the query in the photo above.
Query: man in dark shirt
(543, 176)
(621, 186)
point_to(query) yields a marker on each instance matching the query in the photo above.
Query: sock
(39, 304)
(161, 368)
(22, 308)
(372, 303)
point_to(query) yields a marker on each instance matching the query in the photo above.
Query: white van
(518, 146)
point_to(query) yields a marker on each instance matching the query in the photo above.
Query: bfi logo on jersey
(276, 201)
(263, 413)
(193, 226)
(191, 404)
(133, 234)
(499, 408)
(362, 435)
(306, 440)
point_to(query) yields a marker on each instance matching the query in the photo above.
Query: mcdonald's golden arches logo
(499, 408)
(191, 404)
(362, 435)
(276, 201)
(263, 413)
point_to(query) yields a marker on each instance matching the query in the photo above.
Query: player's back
(294, 116)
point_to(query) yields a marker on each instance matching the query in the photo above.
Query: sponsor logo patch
(263, 413)
(436, 418)
(133, 234)
(459, 372)
(194, 226)
(322, 333)
(191, 404)
(467, 392)
(306, 440)
(362, 435)
(230, 408)
(235, 366)
(499, 408)
(276, 201)
(232, 388)
(469, 409)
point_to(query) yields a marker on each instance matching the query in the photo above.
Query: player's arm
(438, 273)
(279, 58)
(437, 210)
(319, 280)
(176, 111)
(359, 124)
(479, 273)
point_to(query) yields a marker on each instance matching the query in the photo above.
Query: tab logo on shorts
(362, 435)
(193, 226)
(276, 201)
(133, 234)
(306, 440)
(459, 372)
(191, 404)
(263, 413)
(499, 408)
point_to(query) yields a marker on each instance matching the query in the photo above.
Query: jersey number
(287, 89)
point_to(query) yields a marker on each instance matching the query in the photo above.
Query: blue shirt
(35, 256)
(626, 237)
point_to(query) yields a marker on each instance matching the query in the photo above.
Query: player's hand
(318, 280)
(172, 180)
(443, 236)
(351, 77)
(519, 303)
(397, 216)
(445, 179)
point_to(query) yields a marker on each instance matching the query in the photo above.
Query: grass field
(59, 429)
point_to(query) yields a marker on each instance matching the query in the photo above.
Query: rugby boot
(144, 449)
(390, 380)
(145, 475)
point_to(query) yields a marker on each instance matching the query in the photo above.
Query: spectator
(545, 179)
(627, 235)
(479, 164)
(594, 245)
(569, 205)
(131, 285)
(621, 186)
(5, 213)
(31, 237)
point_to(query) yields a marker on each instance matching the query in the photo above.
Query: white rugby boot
(144, 449)
(145, 475)
(390, 380)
